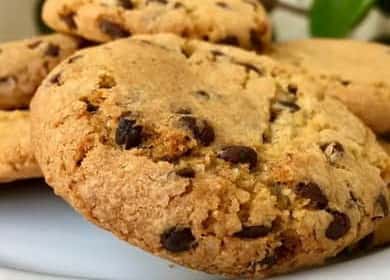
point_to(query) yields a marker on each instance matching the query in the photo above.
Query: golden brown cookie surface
(16, 157)
(233, 22)
(209, 156)
(355, 72)
(24, 64)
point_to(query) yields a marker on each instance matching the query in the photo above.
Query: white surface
(39, 233)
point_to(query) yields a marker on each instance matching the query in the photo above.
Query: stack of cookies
(195, 139)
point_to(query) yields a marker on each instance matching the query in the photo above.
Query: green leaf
(337, 18)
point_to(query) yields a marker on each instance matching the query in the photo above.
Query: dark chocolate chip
(52, 50)
(178, 240)
(186, 172)
(230, 40)
(239, 154)
(293, 89)
(253, 232)
(34, 45)
(127, 4)
(345, 83)
(314, 193)
(91, 108)
(201, 129)
(69, 19)
(222, 5)
(339, 227)
(128, 134)
(112, 29)
(333, 151)
(74, 58)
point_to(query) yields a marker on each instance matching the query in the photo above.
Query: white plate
(41, 235)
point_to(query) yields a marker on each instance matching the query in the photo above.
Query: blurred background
(292, 19)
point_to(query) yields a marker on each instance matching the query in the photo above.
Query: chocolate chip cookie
(355, 72)
(207, 155)
(234, 22)
(16, 154)
(24, 64)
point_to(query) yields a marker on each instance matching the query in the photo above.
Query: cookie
(24, 64)
(355, 72)
(381, 235)
(207, 155)
(16, 157)
(233, 22)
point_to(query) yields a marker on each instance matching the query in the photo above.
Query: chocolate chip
(106, 81)
(112, 29)
(345, 83)
(293, 89)
(128, 134)
(339, 227)
(56, 79)
(127, 4)
(239, 154)
(314, 193)
(74, 58)
(186, 172)
(383, 212)
(333, 151)
(201, 129)
(230, 40)
(91, 108)
(178, 240)
(222, 5)
(34, 45)
(52, 50)
(69, 19)
(253, 232)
